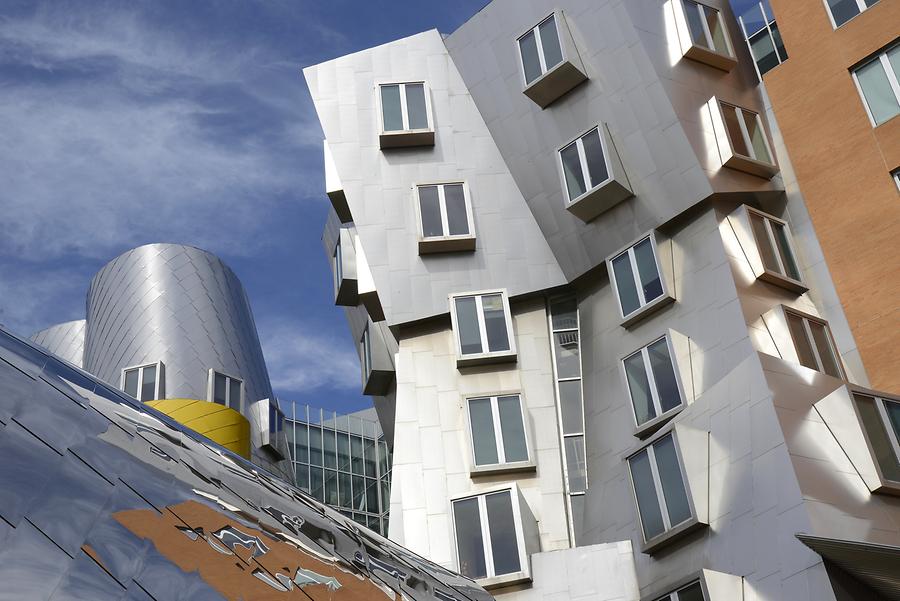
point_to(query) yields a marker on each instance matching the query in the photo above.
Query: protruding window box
(444, 216)
(334, 189)
(271, 427)
(768, 245)
(344, 267)
(375, 360)
(805, 339)
(368, 294)
(550, 62)
(592, 174)
(702, 34)
(145, 382)
(741, 139)
(482, 328)
(641, 274)
(707, 585)
(404, 115)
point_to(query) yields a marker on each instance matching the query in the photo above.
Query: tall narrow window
(366, 352)
(659, 488)
(489, 538)
(540, 49)
(773, 241)
(652, 383)
(814, 345)
(498, 430)
(567, 368)
(691, 592)
(404, 107)
(226, 390)
(584, 164)
(482, 324)
(445, 215)
(879, 83)
(706, 27)
(763, 37)
(745, 133)
(842, 11)
(881, 420)
(338, 266)
(143, 382)
(636, 276)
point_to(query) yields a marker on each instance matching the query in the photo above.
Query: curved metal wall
(179, 305)
(65, 340)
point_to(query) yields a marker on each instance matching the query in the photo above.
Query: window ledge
(504, 580)
(776, 279)
(599, 199)
(711, 58)
(669, 537)
(752, 166)
(650, 427)
(648, 309)
(406, 138)
(347, 293)
(440, 244)
(378, 383)
(888, 487)
(553, 84)
(503, 468)
(486, 359)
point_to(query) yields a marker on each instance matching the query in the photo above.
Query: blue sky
(125, 122)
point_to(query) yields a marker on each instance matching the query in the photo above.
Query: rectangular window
(773, 241)
(143, 382)
(584, 164)
(896, 176)
(745, 133)
(659, 488)
(338, 266)
(226, 390)
(540, 49)
(842, 11)
(635, 274)
(879, 84)
(444, 210)
(366, 347)
(404, 107)
(691, 592)
(706, 27)
(814, 345)
(652, 383)
(489, 539)
(881, 420)
(482, 324)
(498, 430)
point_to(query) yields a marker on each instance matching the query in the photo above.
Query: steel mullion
(651, 380)
(486, 536)
(442, 206)
(498, 433)
(880, 404)
(774, 244)
(636, 276)
(657, 483)
(540, 48)
(482, 328)
(140, 384)
(404, 117)
(812, 344)
(891, 75)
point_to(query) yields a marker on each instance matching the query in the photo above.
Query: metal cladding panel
(65, 340)
(511, 251)
(105, 498)
(179, 305)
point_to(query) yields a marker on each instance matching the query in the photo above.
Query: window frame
(651, 425)
(892, 76)
(709, 55)
(337, 257)
(542, 61)
(806, 318)
(647, 307)
(887, 484)
(158, 390)
(582, 160)
(365, 342)
(895, 174)
(859, 3)
(210, 389)
(502, 466)
(673, 594)
(484, 356)
(491, 578)
(774, 277)
(745, 133)
(404, 110)
(445, 242)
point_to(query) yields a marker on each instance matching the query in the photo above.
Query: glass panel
(302, 473)
(148, 386)
(530, 60)
(766, 252)
(823, 346)
(430, 208)
(316, 483)
(357, 461)
(359, 493)
(568, 360)
(467, 322)
(315, 445)
(385, 495)
(338, 266)
(219, 384)
(483, 437)
(878, 437)
(763, 51)
(593, 154)
(843, 10)
(575, 463)
(757, 137)
(645, 491)
(878, 92)
(784, 250)
(550, 43)
(367, 352)
(502, 526)
(664, 375)
(892, 409)
(693, 592)
(639, 386)
(343, 452)
(647, 270)
(779, 43)
(565, 314)
(469, 543)
(732, 125)
(671, 480)
(131, 382)
(572, 171)
(370, 458)
(329, 451)
(894, 59)
(513, 428)
(716, 30)
(391, 109)
(695, 23)
(234, 394)
(628, 296)
(372, 495)
(301, 446)
(331, 487)
(495, 322)
(457, 218)
(415, 106)
(801, 342)
(383, 466)
(345, 498)
(570, 403)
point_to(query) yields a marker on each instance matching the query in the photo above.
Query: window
(143, 382)
(483, 326)
(226, 390)
(763, 37)
(366, 346)
(498, 430)
(540, 49)
(842, 11)
(445, 217)
(276, 419)
(813, 343)
(338, 267)
(773, 241)
(706, 27)
(896, 176)
(659, 488)
(404, 107)
(878, 84)
(691, 592)
(584, 164)
(881, 421)
(489, 538)
(592, 174)
(652, 383)
(745, 133)
(636, 277)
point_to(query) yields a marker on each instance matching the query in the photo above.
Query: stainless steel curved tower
(65, 340)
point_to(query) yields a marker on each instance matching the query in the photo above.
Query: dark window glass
(628, 295)
(430, 207)
(301, 446)
(234, 394)
(695, 24)
(467, 321)
(390, 107)
(513, 429)
(357, 459)
(131, 382)
(315, 445)
(572, 171)
(550, 43)
(345, 497)
(372, 495)
(329, 452)
(664, 375)
(343, 451)
(530, 60)
(469, 542)
(639, 386)
(359, 493)
(302, 473)
(504, 543)
(495, 322)
(316, 483)
(764, 51)
(483, 437)
(565, 314)
(219, 385)
(369, 445)
(672, 483)
(693, 592)
(331, 487)
(457, 218)
(843, 10)
(645, 491)
(570, 402)
(593, 154)
(649, 275)
(878, 437)
(415, 106)
(148, 386)
(784, 251)
(893, 412)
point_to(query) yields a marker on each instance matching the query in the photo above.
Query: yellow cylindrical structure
(220, 424)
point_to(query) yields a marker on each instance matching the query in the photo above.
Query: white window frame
(661, 417)
(862, 8)
(629, 250)
(540, 46)
(486, 532)
(210, 389)
(674, 596)
(805, 318)
(482, 330)
(498, 430)
(745, 133)
(404, 112)
(893, 79)
(158, 392)
(445, 226)
(770, 234)
(729, 51)
(590, 186)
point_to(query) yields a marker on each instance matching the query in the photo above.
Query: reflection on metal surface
(103, 497)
